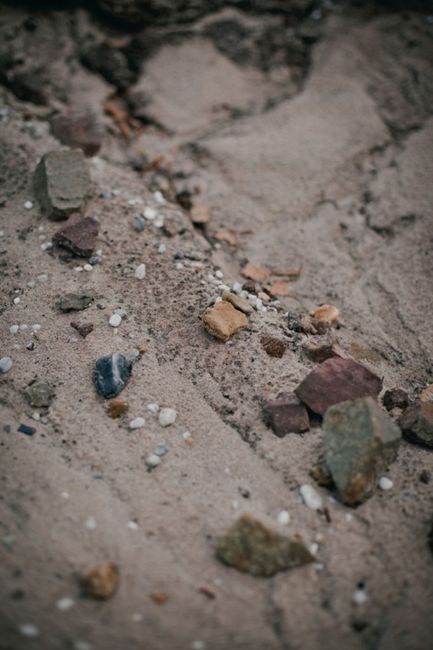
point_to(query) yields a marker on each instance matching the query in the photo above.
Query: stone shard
(75, 301)
(61, 183)
(251, 547)
(337, 380)
(273, 346)
(102, 582)
(223, 320)
(112, 373)
(416, 423)
(361, 440)
(78, 129)
(78, 235)
(286, 414)
(39, 394)
(255, 273)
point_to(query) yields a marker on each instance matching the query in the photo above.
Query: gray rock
(39, 394)
(61, 183)
(112, 373)
(361, 440)
(416, 423)
(75, 301)
(238, 302)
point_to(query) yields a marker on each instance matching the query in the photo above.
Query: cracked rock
(286, 414)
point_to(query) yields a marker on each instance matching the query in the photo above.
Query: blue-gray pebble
(112, 373)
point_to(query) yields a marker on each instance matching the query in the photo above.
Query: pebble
(87, 267)
(28, 205)
(153, 408)
(283, 518)
(137, 423)
(90, 523)
(115, 320)
(138, 223)
(39, 394)
(239, 303)
(6, 364)
(17, 301)
(28, 630)
(395, 397)
(223, 320)
(84, 329)
(149, 213)
(117, 407)
(167, 416)
(311, 497)
(327, 314)
(153, 460)
(286, 414)
(112, 373)
(14, 329)
(132, 525)
(102, 582)
(140, 272)
(65, 603)
(273, 346)
(75, 301)
(359, 597)
(416, 423)
(160, 450)
(385, 483)
(162, 248)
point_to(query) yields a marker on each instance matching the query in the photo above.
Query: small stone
(361, 440)
(65, 603)
(395, 398)
(39, 394)
(138, 223)
(239, 303)
(115, 320)
(337, 380)
(311, 497)
(117, 407)
(255, 273)
(90, 523)
(75, 301)
(425, 476)
(149, 213)
(137, 423)
(279, 288)
(273, 346)
(321, 348)
(28, 629)
(78, 235)
(78, 129)
(6, 364)
(385, 483)
(200, 214)
(427, 394)
(152, 461)
(14, 329)
(84, 329)
(286, 414)
(283, 518)
(251, 547)
(61, 183)
(140, 272)
(161, 450)
(416, 423)
(153, 408)
(28, 205)
(359, 597)
(112, 373)
(167, 416)
(102, 582)
(223, 320)
(327, 314)
(170, 228)
(159, 597)
(28, 431)
(162, 248)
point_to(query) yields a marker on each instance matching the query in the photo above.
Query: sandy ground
(321, 154)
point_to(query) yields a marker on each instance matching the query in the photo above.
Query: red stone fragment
(337, 380)
(286, 414)
(79, 130)
(83, 329)
(78, 234)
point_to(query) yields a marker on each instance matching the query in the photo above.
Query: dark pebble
(28, 431)
(112, 373)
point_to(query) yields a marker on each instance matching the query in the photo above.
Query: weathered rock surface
(286, 414)
(223, 320)
(361, 440)
(39, 394)
(75, 301)
(112, 373)
(78, 235)
(416, 423)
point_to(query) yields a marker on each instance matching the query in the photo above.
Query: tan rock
(328, 314)
(256, 273)
(427, 394)
(279, 288)
(200, 214)
(223, 320)
(117, 407)
(238, 302)
(102, 581)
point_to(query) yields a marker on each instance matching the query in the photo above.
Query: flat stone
(321, 348)
(239, 303)
(200, 214)
(6, 364)
(78, 129)
(102, 582)
(83, 329)
(251, 547)
(395, 398)
(112, 373)
(361, 440)
(167, 416)
(223, 320)
(273, 346)
(337, 380)
(255, 273)
(117, 407)
(78, 235)
(286, 414)
(416, 423)
(61, 183)
(28, 431)
(75, 301)
(39, 394)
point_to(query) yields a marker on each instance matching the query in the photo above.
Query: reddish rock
(321, 348)
(78, 130)
(78, 235)
(286, 414)
(337, 380)
(83, 329)
(273, 346)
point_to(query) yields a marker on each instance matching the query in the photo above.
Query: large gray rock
(360, 441)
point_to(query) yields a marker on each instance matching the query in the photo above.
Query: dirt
(308, 134)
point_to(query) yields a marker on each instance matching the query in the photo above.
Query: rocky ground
(293, 136)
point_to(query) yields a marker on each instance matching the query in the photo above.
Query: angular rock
(361, 440)
(321, 348)
(39, 394)
(117, 407)
(75, 301)
(83, 329)
(251, 547)
(238, 302)
(112, 373)
(395, 398)
(78, 235)
(337, 380)
(61, 183)
(78, 129)
(416, 423)
(102, 582)
(286, 414)
(223, 320)
(273, 346)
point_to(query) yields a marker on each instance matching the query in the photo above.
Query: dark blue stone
(111, 374)
(24, 428)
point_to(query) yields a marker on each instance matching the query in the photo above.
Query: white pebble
(36, 327)
(17, 301)
(115, 320)
(159, 197)
(219, 299)
(140, 272)
(78, 269)
(237, 287)
(385, 483)
(137, 423)
(82, 645)
(283, 517)
(6, 364)
(43, 277)
(314, 547)
(162, 248)
(46, 246)
(2, 233)
(31, 284)
(88, 268)
(14, 329)
(65, 603)
(153, 408)
(64, 495)
(179, 266)
(359, 597)
(149, 213)
(36, 416)
(28, 205)
(186, 435)
(28, 629)
(167, 416)
(311, 497)
(132, 525)
(219, 274)
(348, 516)
(90, 523)
(198, 645)
(153, 460)
(23, 327)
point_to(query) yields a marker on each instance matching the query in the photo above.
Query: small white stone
(179, 266)
(149, 213)
(186, 435)
(43, 277)
(153, 408)
(14, 329)
(132, 525)
(237, 287)
(23, 327)
(235, 504)
(283, 517)
(2, 233)
(162, 248)
(17, 301)
(219, 274)
(348, 516)
(219, 299)
(36, 327)
(159, 198)
(6, 364)
(120, 311)
(78, 269)
(167, 416)
(88, 268)
(153, 460)
(259, 304)
(28, 205)
(311, 497)
(31, 284)
(64, 495)
(159, 221)
(223, 287)
(137, 423)
(115, 320)
(90, 523)
(36, 416)
(359, 597)
(28, 629)
(314, 547)
(65, 603)
(140, 272)
(385, 483)
(46, 246)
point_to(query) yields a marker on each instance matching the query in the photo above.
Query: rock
(273, 346)
(430, 537)
(239, 303)
(112, 373)
(75, 301)
(427, 394)
(152, 461)
(167, 416)
(140, 272)
(361, 440)
(223, 320)
(286, 414)
(251, 547)
(102, 582)
(279, 288)
(200, 214)
(61, 183)
(321, 348)
(416, 423)
(337, 380)
(28, 431)
(256, 273)
(117, 407)
(78, 235)
(327, 314)
(311, 497)
(84, 329)
(6, 364)
(39, 394)
(395, 397)
(137, 423)
(321, 474)
(78, 129)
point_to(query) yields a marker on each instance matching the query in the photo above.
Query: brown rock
(223, 320)
(286, 414)
(78, 129)
(159, 597)
(327, 314)
(395, 397)
(228, 235)
(102, 582)
(337, 380)
(279, 288)
(250, 286)
(273, 346)
(320, 349)
(310, 325)
(200, 214)
(78, 234)
(427, 394)
(416, 423)
(116, 407)
(83, 329)
(256, 273)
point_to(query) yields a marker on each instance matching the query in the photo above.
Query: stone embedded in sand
(327, 314)
(78, 235)
(223, 320)
(286, 414)
(117, 407)
(39, 394)
(427, 394)
(102, 582)
(75, 301)
(252, 547)
(395, 398)
(61, 183)
(361, 440)
(337, 380)
(83, 329)
(273, 346)
(78, 129)
(416, 423)
(112, 373)
(239, 303)
(321, 348)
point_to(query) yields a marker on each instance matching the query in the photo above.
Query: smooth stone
(238, 302)
(167, 416)
(112, 373)
(311, 497)
(6, 364)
